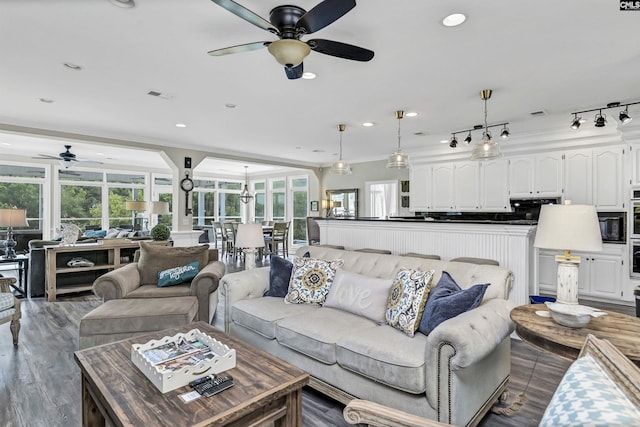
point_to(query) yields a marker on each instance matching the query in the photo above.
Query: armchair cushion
(6, 301)
(156, 258)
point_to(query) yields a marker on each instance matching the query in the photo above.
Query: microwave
(613, 227)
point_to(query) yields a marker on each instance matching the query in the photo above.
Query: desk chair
(9, 307)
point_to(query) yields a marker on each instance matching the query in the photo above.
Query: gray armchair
(139, 279)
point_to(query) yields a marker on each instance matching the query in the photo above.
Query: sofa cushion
(311, 280)
(588, 396)
(387, 355)
(153, 291)
(155, 258)
(359, 294)
(261, 314)
(407, 299)
(447, 300)
(177, 275)
(316, 333)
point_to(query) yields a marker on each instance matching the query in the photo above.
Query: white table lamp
(569, 228)
(249, 237)
(12, 218)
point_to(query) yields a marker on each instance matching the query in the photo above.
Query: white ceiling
(556, 56)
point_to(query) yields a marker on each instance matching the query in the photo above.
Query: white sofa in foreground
(453, 375)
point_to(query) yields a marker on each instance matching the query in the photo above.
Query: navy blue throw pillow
(279, 276)
(447, 300)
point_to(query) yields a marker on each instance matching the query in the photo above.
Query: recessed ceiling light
(6, 143)
(317, 150)
(454, 20)
(230, 105)
(124, 3)
(308, 75)
(99, 154)
(46, 100)
(444, 141)
(72, 66)
(181, 125)
(368, 124)
(411, 114)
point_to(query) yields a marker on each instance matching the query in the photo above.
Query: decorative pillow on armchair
(407, 299)
(311, 280)
(447, 300)
(178, 275)
(156, 258)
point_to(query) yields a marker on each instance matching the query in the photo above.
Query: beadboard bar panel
(510, 245)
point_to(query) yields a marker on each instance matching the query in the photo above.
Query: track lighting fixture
(505, 132)
(398, 159)
(468, 138)
(454, 141)
(624, 116)
(341, 167)
(601, 119)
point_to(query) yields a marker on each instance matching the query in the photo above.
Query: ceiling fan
(66, 158)
(290, 23)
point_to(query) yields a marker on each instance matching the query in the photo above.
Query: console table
(106, 255)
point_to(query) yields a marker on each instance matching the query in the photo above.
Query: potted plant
(160, 232)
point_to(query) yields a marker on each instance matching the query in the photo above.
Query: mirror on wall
(342, 203)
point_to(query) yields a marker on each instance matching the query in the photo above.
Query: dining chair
(9, 307)
(227, 238)
(279, 237)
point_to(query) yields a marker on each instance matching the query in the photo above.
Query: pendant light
(341, 167)
(487, 149)
(398, 159)
(246, 196)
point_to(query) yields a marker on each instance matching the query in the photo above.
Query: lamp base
(10, 246)
(249, 258)
(567, 292)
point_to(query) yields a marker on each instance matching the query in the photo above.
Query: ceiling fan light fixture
(289, 52)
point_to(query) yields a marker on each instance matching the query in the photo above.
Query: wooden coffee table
(621, 330)
(114, 389)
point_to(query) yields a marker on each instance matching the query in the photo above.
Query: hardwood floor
(40, 381)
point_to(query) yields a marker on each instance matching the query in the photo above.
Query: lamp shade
(568, 228)
(398, 160)
(135, 205)
(249, 236)
(13, 218)
(159, 207)
(289, 52)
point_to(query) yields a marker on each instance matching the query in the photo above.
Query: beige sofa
(453, 375)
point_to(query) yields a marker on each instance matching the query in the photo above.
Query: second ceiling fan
(290, 23)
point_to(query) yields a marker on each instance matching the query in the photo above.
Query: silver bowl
(572, 315)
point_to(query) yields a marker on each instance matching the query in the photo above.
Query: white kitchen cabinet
(536, 176)
(578, 177)
(607, 178)
(420, 188)
(601, 275)
(442, 187)
(466, 186)
(494, 185)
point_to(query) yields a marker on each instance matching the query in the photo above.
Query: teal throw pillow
(177, 275)
(95, 233)
(448, 300)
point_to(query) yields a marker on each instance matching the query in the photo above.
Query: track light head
(454, 142)
(575, 123)
(505, 132)
(468, 138)
(624, 116)
(600, 120)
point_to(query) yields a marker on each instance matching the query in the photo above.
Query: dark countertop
(527, 222)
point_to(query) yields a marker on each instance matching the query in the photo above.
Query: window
(81, 205)
(278, 199)
(22, 187)
(300, 204)
(259, 200)
(162, 190)
(203, 201)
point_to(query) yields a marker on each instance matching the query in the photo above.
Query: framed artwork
(314, 206)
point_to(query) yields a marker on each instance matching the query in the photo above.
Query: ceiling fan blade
(45, 156)
(239, 48)
(87, 161)
(341, 50)
(246, 14)
(323, 14)
(294, 72)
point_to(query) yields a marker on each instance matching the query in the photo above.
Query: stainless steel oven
(613, 227)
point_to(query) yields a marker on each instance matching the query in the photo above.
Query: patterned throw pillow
(407, 299)
(177, 275)
(311, 280)
(587, 396)
(447, 300)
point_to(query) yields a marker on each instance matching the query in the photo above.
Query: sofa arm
(238, 286)
(473, 334)
(117, 283)
(203, 285)
(375, 415)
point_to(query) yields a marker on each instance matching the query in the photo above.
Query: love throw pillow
(177, 275)
(447, 300)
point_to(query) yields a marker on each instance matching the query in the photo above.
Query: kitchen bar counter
(434, 220)
(509, 244)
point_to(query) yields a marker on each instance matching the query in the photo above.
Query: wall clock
(187, 185)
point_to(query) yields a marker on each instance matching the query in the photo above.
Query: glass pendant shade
(289, 52)
(398, 160)
(487, 149)
(341, 167)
